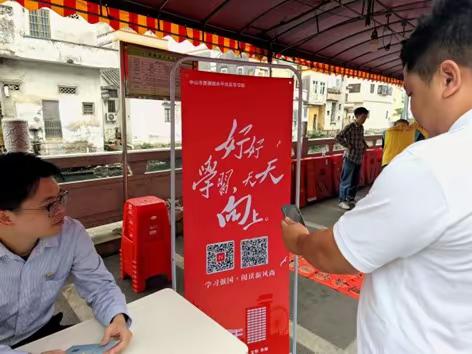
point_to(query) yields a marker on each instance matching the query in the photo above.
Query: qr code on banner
(219, 257)
(254, 252)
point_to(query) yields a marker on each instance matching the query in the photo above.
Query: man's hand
(292, 233)
(119, 330)
(319, 248)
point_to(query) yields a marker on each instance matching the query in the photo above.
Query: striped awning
(93, 12)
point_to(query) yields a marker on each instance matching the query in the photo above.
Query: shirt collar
(463, 121)
(49, 242)
(4, 252)
(52, 241)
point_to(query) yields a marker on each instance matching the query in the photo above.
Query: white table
(163, 322)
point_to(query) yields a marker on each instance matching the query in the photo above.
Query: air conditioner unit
(110, 117)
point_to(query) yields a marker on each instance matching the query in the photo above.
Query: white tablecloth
(163, 323)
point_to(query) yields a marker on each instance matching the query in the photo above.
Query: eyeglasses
(53, 207)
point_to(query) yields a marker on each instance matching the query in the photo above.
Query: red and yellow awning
(119, 19)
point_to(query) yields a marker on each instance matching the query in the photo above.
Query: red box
(362, 174)
(311, 190)
(379, 152)
(320, 184)
(303, 191)
(145, 242)
(337, 169)
(372, 165)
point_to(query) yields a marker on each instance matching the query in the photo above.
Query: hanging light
(374, 41)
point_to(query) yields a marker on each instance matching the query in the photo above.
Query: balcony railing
(97, 200)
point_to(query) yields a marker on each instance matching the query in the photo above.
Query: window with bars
(322, 88)
(113, 93)
(111, 106)
(354, 88)
(52, 121)
(67, 90)
(306, 83)
(88, 108)
(39, 24)
(333, 113)
(384, 90)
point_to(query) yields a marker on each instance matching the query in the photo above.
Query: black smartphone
(293, 213)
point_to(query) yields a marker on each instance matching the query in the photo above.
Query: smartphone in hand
(293, 213)
(92, 348)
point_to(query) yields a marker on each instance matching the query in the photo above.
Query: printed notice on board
(147, 72)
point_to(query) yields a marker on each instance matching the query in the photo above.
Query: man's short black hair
(360, 110)
(445, 34)
(19, 177)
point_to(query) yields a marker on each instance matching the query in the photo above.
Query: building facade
(61, 74)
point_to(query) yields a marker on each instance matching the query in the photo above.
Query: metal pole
(172, 174)
(406, 106)
(343, 99)
(124, 133)
(173, 74)
(297, 201)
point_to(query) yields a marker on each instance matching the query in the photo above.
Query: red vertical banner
(237, 134)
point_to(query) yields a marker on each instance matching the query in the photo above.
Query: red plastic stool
(319, 178)
(145, 242)
(337, 165)
(372, 169)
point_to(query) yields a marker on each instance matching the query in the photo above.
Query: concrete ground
(326, 318)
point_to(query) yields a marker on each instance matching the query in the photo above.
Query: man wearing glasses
(39, 248)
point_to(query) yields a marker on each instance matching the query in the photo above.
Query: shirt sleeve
(94, 282)
(4, 349)
(404, 212)
(343, 136)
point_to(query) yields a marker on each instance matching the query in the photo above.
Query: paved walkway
(327, 319)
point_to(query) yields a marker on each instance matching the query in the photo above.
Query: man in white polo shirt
(412, 234)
